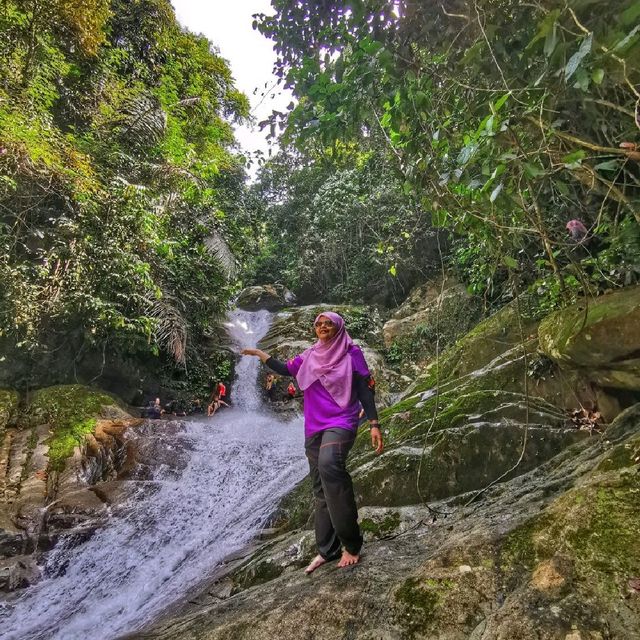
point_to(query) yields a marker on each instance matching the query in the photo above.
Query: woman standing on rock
(335, 381)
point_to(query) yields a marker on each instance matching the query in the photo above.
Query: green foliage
(120, 198)
(65, 440)
(503, 119)
(341, 230)
(8, 407)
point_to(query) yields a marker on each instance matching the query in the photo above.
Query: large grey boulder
(454, 300)
(267, 296)
(600, 336)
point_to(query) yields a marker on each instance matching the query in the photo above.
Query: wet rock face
(457, 461)
(18, 572)
(600, 335)
(453, 306)
(547, 555)
(269, 296)
(68, 439)
(42, 505)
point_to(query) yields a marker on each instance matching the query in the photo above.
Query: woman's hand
(256, 352)
(376, 439)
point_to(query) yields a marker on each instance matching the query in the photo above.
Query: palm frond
(219, 248)
(145, 122)
(171, 329)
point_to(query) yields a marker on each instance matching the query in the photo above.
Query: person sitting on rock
(270, 387)
(333, 376)
(215, 404)
(154, 409)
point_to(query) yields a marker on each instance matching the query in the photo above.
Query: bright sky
(250, 55)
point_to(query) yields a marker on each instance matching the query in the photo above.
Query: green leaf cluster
(340, 231)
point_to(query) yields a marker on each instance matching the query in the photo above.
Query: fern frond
(145, 122)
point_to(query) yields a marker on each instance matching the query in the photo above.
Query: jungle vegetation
(496, 122)
(121, 193)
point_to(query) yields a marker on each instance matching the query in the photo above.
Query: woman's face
(325, 328)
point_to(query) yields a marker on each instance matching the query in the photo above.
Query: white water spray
(163, 543)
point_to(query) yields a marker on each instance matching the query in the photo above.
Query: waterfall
(246, 328)
(224, 479)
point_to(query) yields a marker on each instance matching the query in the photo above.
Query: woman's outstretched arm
(275, 365)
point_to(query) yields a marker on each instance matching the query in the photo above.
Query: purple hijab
(330, 363)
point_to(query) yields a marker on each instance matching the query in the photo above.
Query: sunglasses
(324, 323)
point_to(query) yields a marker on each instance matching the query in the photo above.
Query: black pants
(336, 516)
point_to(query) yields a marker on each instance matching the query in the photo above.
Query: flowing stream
(156, 548)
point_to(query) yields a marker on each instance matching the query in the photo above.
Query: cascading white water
(156, 549)
(246, 328)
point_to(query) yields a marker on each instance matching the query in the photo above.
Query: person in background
(269, 385)
(196, 407)
(334, 378)
(222, 390)
(291, 391)
(215, 404)
(154, 409)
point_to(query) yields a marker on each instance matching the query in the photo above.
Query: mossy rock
(268, 296)
(600, 335)
(435, 412)
(454, 461)
(379, 525)
(501, 332)
(463, 425)
(583, 550)
(418, 602)
(8, 407)
(295, 509)
(72, 412)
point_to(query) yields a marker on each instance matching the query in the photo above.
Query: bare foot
(318, 561)
(348, 559)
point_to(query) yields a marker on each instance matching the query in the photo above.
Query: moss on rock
(417, 602)
(602, 335)
(593, 527)
(621, 456)
(489, 339)
(379, 528)
(453, 461)
(71, 411)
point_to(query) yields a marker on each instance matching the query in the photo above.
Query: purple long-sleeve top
(321, 411)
